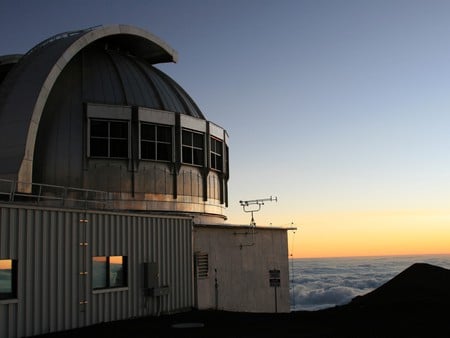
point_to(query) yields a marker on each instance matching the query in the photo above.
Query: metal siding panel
(60, 268)
(36, 268)
(53, 262)
(67, 275)
(106, 235)
(134, 256)
(4, 234)
(45, 270)
(140, 224)
(176, 265)
(28, 301)
(89, 238)
(4, 327)
(49, 258)
(18, 222)
(129, 244)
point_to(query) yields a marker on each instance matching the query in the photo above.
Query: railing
(60, 36)
(54, 195)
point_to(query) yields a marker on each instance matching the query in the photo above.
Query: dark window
(216, 154)
(192, 148)
(109, 138)
(109, 272)
(156, 142)
(8, 278)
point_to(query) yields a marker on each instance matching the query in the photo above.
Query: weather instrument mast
(254, 206)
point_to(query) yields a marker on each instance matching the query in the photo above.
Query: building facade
(113, 188)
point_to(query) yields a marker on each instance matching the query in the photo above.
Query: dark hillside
(415, 303)
(420, 283)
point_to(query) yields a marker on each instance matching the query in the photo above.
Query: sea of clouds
(322, 283)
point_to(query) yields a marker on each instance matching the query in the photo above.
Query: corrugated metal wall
(53, 247)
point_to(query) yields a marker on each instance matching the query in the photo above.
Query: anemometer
(255, 206)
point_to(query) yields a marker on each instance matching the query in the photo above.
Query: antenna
(254, 206)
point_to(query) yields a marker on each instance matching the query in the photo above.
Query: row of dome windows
(110, 139)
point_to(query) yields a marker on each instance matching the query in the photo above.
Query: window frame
(156, 142)
(107, 280)
(192, 147)
(109, 138)
(13, 293)
(215, 156)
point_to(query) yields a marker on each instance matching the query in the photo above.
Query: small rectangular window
(192, 148)
(108, 138)
(156, 142)
(99, 272)
(8, 278)
(116, 271)
(109, 272)
(216, 154)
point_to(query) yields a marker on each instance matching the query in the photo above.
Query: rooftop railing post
(12, 190)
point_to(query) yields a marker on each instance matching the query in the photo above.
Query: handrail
(42, 193)
(60, 36)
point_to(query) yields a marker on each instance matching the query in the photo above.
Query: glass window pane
(218, 163)
(219, 147)
(99, 128)
(148, 150)
(164, 152)
(187, 138)
(99, 269)
(148, 132)
(116, 271)
(198, 157)
(119, 148)
(99, 147)
(164, 134)
(187, 155)
(119, 129)
(6, 278)
(198, 140)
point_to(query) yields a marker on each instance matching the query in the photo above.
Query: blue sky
(332, 106)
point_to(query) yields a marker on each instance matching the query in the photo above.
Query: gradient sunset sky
(339, 108)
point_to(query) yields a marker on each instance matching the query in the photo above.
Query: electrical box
(151, 275)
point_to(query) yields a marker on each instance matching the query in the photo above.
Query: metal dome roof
(129, 51)
(115, 76)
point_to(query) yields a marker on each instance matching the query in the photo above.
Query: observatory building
(113, 191)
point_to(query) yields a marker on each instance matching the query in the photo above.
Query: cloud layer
(322, 283)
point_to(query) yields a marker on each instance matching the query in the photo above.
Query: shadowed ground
(415, 303)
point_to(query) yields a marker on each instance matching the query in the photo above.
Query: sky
(338, 108)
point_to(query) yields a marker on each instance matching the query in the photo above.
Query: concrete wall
(54, 250)
(239, 264)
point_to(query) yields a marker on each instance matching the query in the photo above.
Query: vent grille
(202, 265)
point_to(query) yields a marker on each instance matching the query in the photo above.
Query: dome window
(216, 154)
(156, 142)
(108, 138)
(193, 148)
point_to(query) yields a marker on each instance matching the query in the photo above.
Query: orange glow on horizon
(371, 233)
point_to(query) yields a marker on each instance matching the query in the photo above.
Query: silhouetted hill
(420, 283)
(415, 303)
